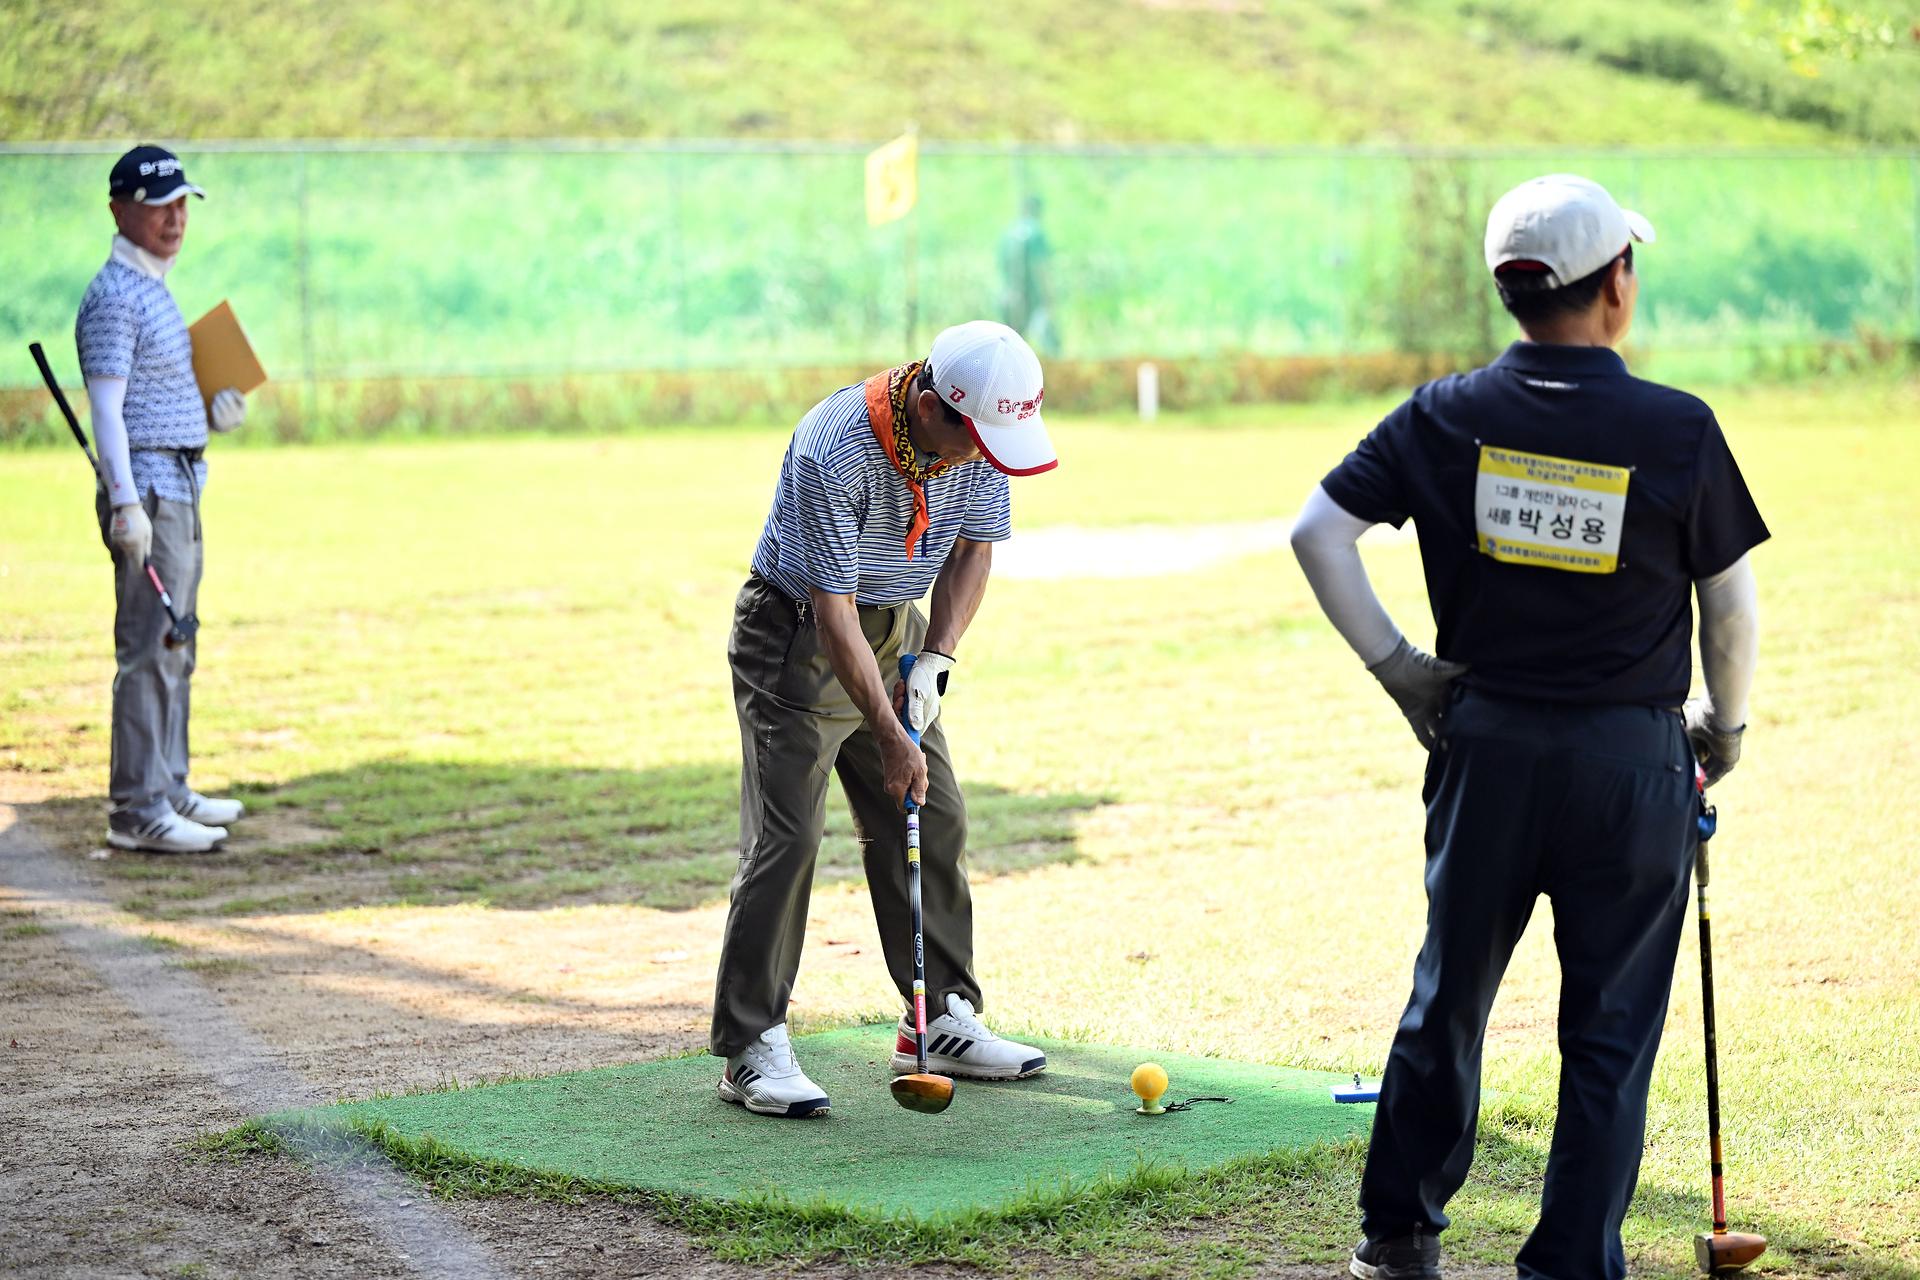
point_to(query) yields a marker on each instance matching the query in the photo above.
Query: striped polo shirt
(130, 327)
(841, 512)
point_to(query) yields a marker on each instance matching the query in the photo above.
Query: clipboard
(222, 356)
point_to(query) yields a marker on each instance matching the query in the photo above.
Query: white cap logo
(992, 379)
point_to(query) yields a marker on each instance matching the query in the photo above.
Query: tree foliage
(1807, 31)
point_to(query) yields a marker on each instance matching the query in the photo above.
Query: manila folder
(222, 356)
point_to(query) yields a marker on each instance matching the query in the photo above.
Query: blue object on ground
(1356, 1092)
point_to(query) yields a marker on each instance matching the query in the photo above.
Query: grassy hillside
(1674, 72)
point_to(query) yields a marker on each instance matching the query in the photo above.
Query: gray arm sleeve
(1326, 539)
(1729, 640)
(108, 398)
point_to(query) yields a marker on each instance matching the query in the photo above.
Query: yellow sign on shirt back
(1556, 513)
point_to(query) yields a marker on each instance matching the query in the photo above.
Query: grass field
(485, 680)
(1224, 71)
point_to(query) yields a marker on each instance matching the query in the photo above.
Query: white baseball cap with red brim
(989, 376)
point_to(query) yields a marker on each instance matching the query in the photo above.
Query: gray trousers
(797, 723)
(151, 682)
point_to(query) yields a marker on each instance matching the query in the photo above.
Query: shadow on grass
(1293, 1205)
(1497, 1208)
(513, 836)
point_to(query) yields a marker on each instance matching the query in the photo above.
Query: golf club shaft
(919, 943)
(73, 424)
(913, 895)
(66, 410)
(166, 601)
(1713, 1048)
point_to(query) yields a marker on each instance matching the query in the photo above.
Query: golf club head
(928, 1093)
(182, 632)
(1725, 1252)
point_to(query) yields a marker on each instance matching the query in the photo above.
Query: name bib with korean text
(1556, 513)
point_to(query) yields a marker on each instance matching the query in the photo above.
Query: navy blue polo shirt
(1565, 509)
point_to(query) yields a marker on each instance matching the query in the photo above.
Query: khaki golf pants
(796, 724)
(152, 684)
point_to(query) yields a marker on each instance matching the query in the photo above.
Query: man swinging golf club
(1567, 515)
(150, 426)
(890, 487)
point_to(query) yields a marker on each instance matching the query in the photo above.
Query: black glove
(1418, 682)
(1717, 749)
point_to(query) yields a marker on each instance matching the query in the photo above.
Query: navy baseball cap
(150, 175)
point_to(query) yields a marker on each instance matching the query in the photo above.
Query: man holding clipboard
(150, 425)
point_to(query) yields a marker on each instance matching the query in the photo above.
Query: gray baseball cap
(1563, 224)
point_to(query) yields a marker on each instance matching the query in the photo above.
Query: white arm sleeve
(1729, 640)
(108, 396)
(1326, 539)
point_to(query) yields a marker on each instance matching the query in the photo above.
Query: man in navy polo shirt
(890, 488)
(1568, 513)
(150, 425)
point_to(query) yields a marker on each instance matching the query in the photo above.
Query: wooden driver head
(1719, 1253)
(927, 1093)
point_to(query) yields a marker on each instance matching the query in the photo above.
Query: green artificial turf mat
(660, 1126)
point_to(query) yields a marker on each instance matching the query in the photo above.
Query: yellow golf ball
(1149, 1081)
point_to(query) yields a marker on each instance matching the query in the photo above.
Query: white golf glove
(925, 683)
(229, 410)
(1418, 683)
(1717, 749)
(131, 533)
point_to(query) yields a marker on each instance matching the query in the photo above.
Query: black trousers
(1593, 807)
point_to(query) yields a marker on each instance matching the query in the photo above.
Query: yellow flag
(893, 179)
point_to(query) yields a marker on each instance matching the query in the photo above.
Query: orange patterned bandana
(887, 413)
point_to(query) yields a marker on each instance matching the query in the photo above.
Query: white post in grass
(1148, 388)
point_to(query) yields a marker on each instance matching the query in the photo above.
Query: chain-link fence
(356, 261)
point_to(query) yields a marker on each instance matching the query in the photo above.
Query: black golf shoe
(1414, 1257)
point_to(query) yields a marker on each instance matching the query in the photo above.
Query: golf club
(182, 629)
(922, 1091)
(1720, 1251)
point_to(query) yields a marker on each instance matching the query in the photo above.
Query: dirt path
(119, 1053)
(125, 1039)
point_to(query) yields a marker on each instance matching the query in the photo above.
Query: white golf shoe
(209, 812)
(168, 833)
(765, 1078)
(959, 1045)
